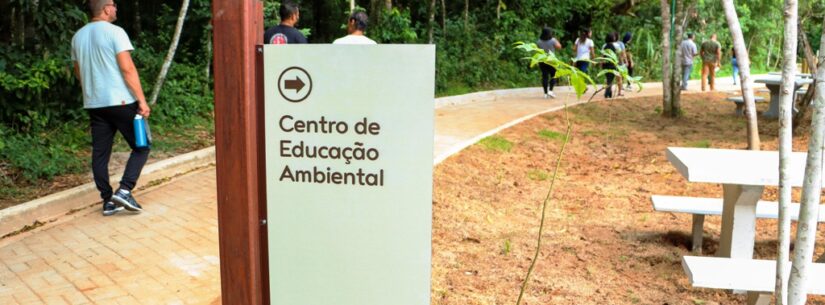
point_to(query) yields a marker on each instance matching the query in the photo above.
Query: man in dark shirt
(285, 32)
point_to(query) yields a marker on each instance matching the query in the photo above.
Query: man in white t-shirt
(356, 26)
(112, 95)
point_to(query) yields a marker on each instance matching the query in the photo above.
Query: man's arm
(130, 76)
(719, 56)
(77, 71)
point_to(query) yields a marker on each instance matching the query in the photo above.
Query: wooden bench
(757, 277)
(700, 207)
(740, 102)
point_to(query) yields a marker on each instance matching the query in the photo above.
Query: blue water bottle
(141, 137)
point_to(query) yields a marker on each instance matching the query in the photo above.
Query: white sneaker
(551, 94)
(545, 96)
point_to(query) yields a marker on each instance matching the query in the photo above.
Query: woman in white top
(584, 50)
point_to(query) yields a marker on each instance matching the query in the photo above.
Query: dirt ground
(603, 243)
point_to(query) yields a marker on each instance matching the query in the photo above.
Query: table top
(777, 79)
(805, 75)
(732, 166)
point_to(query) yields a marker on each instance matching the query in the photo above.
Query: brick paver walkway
(166, 255)
(169, 253)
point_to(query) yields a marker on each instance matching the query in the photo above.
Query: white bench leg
(757, 298)
(739, 220)
(698, 231)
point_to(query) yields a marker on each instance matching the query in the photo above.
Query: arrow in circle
(296, 84)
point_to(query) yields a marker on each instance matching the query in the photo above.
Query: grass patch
(700, 144)
(551, 135)
(496, 143)
(537, 175)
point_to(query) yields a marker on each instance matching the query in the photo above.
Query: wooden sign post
(237, 33)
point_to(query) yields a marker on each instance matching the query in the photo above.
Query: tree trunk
(811, 190)
(388, 5)
(5, 22)
(351, 5)
(137, 26)
(667, 100)
(466, 14)
(803, 103)
(744, 73)
(432, 22)
(444, 19)
(785, 149)
(676, 72)
(171, 54)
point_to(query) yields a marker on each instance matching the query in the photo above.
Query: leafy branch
(579, 81)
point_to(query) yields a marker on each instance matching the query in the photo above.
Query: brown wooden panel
(237, 29)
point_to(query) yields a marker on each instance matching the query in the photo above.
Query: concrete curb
(49, 208)
(489, 96)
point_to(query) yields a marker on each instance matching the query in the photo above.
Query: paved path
(169, 253)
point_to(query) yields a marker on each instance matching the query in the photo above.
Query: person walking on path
(626, 39)
(285, 32)
(620, 55)
(734, 65)
(611, 44)
(584, 50)
(356, 25)
(711, 55)
(688, 48)
(548, 74)
(112, 95)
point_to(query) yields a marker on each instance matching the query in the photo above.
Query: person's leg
(704, 75)
(103, 135)
(629, 73)
(712, 76)
(686, 70)
(123, 118)
(735, 69)
(544, 71)
(552, 78)
(608, 91)
(619, 85)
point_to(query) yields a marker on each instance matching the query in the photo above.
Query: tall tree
(811, 191)
(467, 13)
(431, 22)
(744, 72)
(173, 46)
(786, 149)
(681, 18)
(667, 68)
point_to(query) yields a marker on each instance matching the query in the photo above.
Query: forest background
(44, 132)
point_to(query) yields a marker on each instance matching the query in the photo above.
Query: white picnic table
(774, 82)
(743, 175)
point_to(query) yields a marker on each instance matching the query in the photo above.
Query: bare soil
(603, 243)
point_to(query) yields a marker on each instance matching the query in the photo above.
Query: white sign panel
(349, 146)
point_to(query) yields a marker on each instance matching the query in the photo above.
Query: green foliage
(42, 155)
(551, 135)
(394, 26)
(700, 144)
(496, 143)
(538, 175)
(506, 247)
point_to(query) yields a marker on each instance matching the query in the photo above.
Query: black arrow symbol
(297, 84)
